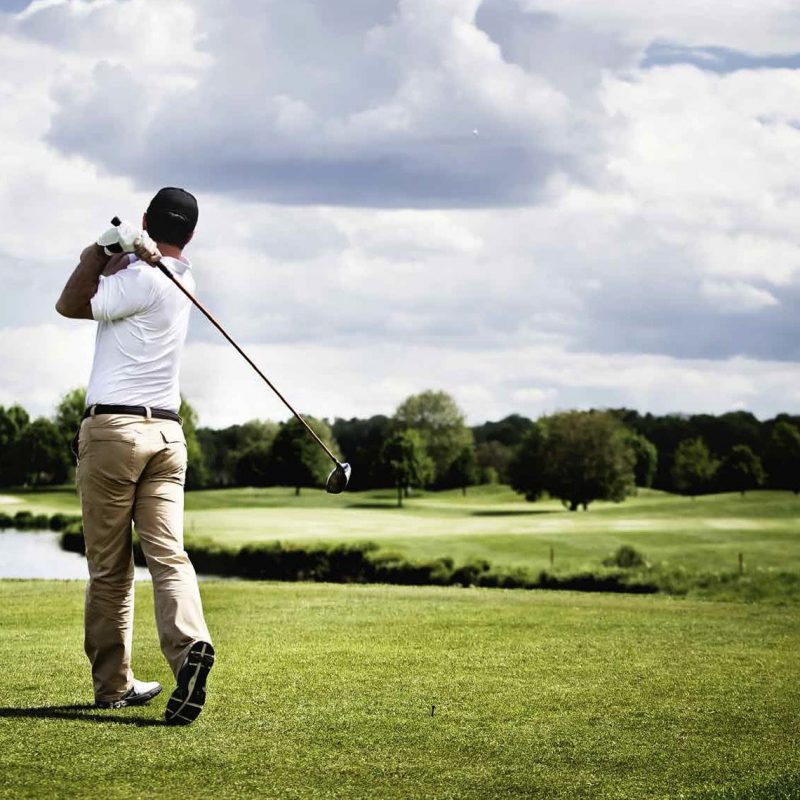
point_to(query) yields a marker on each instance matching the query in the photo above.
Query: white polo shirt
(143, 319)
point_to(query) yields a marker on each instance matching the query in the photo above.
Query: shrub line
(364, 563)
(27, 521)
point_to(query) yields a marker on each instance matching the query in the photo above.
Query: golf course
(328, 691)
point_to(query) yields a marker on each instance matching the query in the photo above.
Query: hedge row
(27, 521)
(363, 563)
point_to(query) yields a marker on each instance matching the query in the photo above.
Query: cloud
(611, 232)
(367, 379)
(737, 297)
(378, 109)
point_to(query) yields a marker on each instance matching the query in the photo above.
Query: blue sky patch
(715, 59)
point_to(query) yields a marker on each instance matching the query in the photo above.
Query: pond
(38, 554)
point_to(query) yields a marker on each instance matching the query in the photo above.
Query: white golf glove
(120, 238)
(125, 238)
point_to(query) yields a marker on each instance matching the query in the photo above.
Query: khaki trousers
(132, 470)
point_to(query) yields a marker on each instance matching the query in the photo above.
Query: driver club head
(338, 479)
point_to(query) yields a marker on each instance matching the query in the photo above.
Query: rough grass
(326, 692)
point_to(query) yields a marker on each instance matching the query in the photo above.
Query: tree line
(576, 456)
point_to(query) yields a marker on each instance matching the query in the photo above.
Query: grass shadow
(78, 712)
(388, 504)
(510, 513)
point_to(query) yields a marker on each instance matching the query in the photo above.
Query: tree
(42, 457)
(69, 415)
(13, 421)
(222, 450)
(783, 456)
(464, 471)
(693, 468)
(296, 459)
(646, 455)
(741, 470)
(405, 461)
(440, 423)
(196, 469)
(587, 457)
(254, 465)
(509, 431)
(527, 470)
(361, 441)
(495, 456)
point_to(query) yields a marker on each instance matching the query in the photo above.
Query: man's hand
(146, 250)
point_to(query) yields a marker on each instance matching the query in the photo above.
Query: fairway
(327, 691)
(494, 523)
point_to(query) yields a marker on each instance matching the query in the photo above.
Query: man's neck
(169, 250)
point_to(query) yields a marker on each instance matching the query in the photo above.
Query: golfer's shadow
(78, 712)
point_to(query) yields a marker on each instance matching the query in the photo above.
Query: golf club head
(338, 479)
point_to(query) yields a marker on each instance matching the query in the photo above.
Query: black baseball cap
(171, 201)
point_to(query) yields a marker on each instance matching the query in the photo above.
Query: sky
(534, 205)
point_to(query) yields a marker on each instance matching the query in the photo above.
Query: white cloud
(737, 297)
(367, 379)
(42, 363)
(657, 268)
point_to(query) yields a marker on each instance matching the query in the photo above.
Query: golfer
(132, 453)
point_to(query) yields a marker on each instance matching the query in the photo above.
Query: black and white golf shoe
(140, 693)
(187, 700)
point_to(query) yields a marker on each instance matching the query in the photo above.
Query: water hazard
(38, 554)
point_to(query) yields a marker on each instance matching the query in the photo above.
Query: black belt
(137, 411)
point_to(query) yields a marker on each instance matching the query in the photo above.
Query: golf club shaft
(247, 358)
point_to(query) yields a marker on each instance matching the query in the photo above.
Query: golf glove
(121, 238)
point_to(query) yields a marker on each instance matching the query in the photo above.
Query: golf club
(340, 475)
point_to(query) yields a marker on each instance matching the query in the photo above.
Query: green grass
(705, 534)
(326, 691)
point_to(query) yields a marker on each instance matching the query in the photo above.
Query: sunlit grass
(327, 691)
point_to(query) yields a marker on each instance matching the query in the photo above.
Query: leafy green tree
(13, 421)
(693, 468)
(222, 450)
(440, 423)
(406, 462)
(510, 430)
(495, 456)
(587, 457)
(254, 465)
(296, 459)
(43, 459)
(783, 456)
(646, 455)
(69, 413)
(741, 470)
(361, 441)
(196, 470)
(527, 471)
(464, 470)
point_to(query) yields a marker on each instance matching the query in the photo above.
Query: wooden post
(552, 555)
(741, 563)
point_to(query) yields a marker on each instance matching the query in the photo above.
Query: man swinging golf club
(132, 453)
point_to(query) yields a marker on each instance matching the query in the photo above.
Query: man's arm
(96, 260)
(75, 300)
